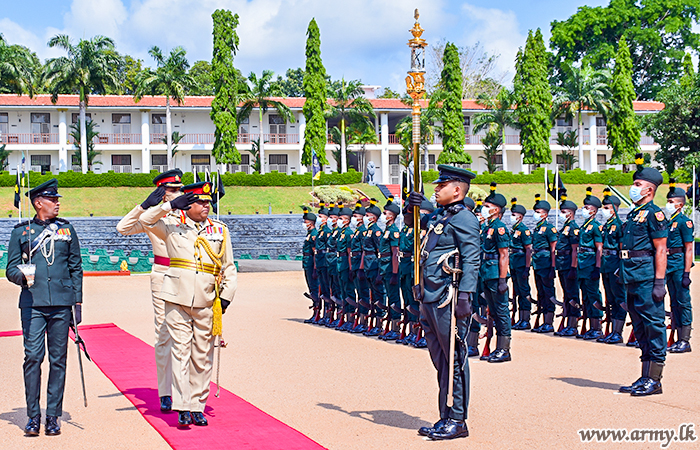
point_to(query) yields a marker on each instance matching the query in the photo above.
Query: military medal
(439, 228)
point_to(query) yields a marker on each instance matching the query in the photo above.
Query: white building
(131, 136)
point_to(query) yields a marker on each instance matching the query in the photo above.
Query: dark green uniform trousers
(521, 287)
(407, 291)
(545, 291)
(362, 289)
(347, 289)
(42, 326)
(311, 282)
(498, 307)
(590, 292)
(436, 324)
(570, 289)
(614, 295)
(648, 321)
(680, 299)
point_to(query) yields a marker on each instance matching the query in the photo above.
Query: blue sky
(363, 39)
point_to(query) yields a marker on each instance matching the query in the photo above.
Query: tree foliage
(492, 142)
(623, 126)
(91, 153)
(568, 140)
(658, 33)
(534, 100)
(225, 87)
(18, 69)
(450, 98)
(292, 85)
(201, 74)
(314, 83)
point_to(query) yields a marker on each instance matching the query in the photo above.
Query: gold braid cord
(216, 259)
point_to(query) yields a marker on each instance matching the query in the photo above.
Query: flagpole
(556, 191)
(218, 206)
(19, 189)
(694, 199)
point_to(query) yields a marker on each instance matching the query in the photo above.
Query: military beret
(201, 190)
(515, 208)
(391, 206)
(308, 215)
(494, 198)
(646, 173)
(322, 209)
(609, 199)
(333, 210)
(541, 204)
(469, 203)
(590, 199)
(565, 203)
(170, 178)
(45, 189)
(451, 173)
(673, 191)
(427, 205)
(344, 210)
(359, 209)
(372, 208)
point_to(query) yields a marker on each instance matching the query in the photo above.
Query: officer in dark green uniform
(479, 302)
(590, 254)
(643, 269)
(370, 265)
(347, 290)
(544, 241)
(615, 295)
(451, 227)
(43, 257)
(567, 265)
(494, 272)
(680, 261)
(308, 263)
(358, 276)
(389, 270)
(520, 261)
(332, 262)
(324, 283)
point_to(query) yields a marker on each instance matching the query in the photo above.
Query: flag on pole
(18, 198)
(315, 167)
(549, 184)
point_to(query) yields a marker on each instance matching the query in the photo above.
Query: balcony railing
(29, 138)
(112, 138)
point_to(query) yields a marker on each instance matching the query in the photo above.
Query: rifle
(672, 334)
(513, 308)
(584, 328)
(451, 300)
(632, 339)
(608, 318)
(561, 324)
(489, 334)
(78, 342)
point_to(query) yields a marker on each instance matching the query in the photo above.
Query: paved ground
(351, 392)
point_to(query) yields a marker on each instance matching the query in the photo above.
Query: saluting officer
(590, 254)
(43, 257)
(168, 186)
(389, 269)
(358, 277)
(308, 262)
(494, 272)
(520, 262)
(370, 266)
(450, 227)
(680, 261)
(567, 265)
(347, 290)
(544, 241)
(201, 271)
(615, 297)
(324, 233)
(643, 268)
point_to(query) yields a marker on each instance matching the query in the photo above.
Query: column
(504, 153)
(593, 133)
(385, 148)
(302, 130)
(64, 163)
(145, 142)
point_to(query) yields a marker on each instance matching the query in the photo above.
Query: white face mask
(537, 216)
(670, 209)
(585, 213)
(514, 219)
(485, 212)
(353, 223)
(319, 221)
(563, 216)
(381, 222)
(606, 213)
(367, 221)
(330, 222)
(636, 193)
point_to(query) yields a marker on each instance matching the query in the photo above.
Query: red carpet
(233, 423)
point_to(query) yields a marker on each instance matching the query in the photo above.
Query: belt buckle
(624, 254)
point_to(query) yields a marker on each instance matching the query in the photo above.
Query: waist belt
(161, 260)
(516, 251)
(194, 266)
(307, 254)
(489, 256)
(406, 254)
(627, 254)
(563, 252)
(608, 252)
(340, 253)
(320, 252)
(384, 255)
(542, 250)
(355, 253)
(586, 250)
(674, 250)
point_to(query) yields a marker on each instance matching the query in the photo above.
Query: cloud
(16, 34)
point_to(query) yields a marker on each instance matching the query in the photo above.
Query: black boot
(166, 403)
(548, 326)
(616, 336)
(595, 331)
(199, 419)
(652, 382)
(34, 425)
(52, 427)
(452, 429)
(502, 352)
(683, 344)
(184, 418)
(424, 431)
(473, 343)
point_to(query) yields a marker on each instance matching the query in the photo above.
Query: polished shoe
(632, 344)
(166, 403)
(484, 357)
(34, 425)
(410, 339)
(499, 355)
(614, 338)
(184, 418)
(473, 351)
(593, 334)
(334, 323)
(198, 419)
(681, 347)
(452, 429)
(604, 338)
(632, 387)
(424, 431)
(546, 328)
(52, 428)
(391, 336)
(360, 328)
(567, 332)
(584, 335)
(373, 332)
(648, 387)
(421, 343)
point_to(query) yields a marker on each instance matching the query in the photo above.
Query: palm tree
(91, 67)
(492, 143)
(176, 138)
(169, 79)
(349, 106)
(260, 93)
(361, 134)
(582, 87)
(91, 152)
(428, 132)
(4, 156)
(500, 115)
(568, 140)
(17, 67)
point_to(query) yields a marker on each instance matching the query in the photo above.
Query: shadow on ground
(582, 382)
(391, 418)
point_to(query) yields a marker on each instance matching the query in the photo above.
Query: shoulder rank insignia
(439, 228)
(612, 228)
(659, 216)
(516, 233)
(501, 231)
(554, 230)
(576, 232)
(396, 234)
(527, 232)
(379, 233)
(386, 234)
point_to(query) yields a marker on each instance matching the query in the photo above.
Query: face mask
(366, 221)
(399, 222)
(353, 223)
(636, 193)
(585, 213)
(514, 219)
(319, 221)
(670, 209)
(606, 213)
(563, 216)
(330, 222)
(381, 222)
(485, 212)
(537, 216)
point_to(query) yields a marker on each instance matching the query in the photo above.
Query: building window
(74, 160)
(277, 124)
(562, 121)
(159, 160)
(121, 123)
(121, 160)
(278, 159)
(4, 126)
(41, 123)
(75, 117)
(158, 122)
(600, 122)
(393, 159)
(200, 160)
(602, 159)
(245, 159)
(41, 163)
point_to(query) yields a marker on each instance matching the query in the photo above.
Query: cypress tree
(534, 99)
(623, 128)
(223, 74)
(453, 118)
(315, 93)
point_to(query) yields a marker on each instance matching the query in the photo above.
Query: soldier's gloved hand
(361, 274)
(394, 279)
(552, 273)
(659, 291)
(464, 305)
(183, 202)
(573, 273)
(685, 281)
(378, 280)
(502, 286)
(154, 198)
(351, 276)
(224, 305)
(595, 273)
(415, 199)
(78, 314)
(314, 274)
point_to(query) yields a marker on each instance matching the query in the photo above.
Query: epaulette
(454, 209)
(62, 220)
(21, 224)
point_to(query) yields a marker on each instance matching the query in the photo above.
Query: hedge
(111, 179)
(577, 176)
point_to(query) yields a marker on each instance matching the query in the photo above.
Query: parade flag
(549, 185)
(315, 167)
(18, 199)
